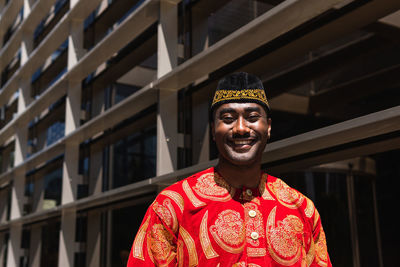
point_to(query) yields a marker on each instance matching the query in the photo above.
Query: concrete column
(2, 6)
(21, 150)
(26, 44)
(71, 178)
(14, 245)
(167, 117)
(93, 244)
(17, 203)
(67, 238)
(28, 4)
(35, 247)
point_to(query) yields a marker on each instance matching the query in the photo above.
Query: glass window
(52, 188)
(50, 242)
(5, 203)
(123, 230)
(43, 187)
(356, 199)
(115, 227)
(4, 238)
(134, 157)
(203, 23)
(102, 21)
(55, 132)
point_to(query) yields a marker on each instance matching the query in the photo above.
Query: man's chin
(242, 160)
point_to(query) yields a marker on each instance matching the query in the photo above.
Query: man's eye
(253, 118)
(228, 119)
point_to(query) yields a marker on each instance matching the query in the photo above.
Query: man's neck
(240, 176)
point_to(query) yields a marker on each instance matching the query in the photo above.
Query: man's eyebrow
(250, 109)
(227, 110)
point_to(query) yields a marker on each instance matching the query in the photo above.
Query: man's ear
(269, 128)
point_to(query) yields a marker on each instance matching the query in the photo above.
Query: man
(234, 214)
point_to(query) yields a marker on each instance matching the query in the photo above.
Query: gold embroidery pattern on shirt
(191, 247)
(205, 239)
(167, 203)
(176, 197)
(207, 187)
(254, 224)
(321, 249)
(193, 199)
(139, 240)
(310, 254)
(256, 252)
(263, 188)
(228, 231)
(285, 239)
(180, 255)
(316, 218)
(256, 200)
(161, 244)
(243, 264)
(149, 249)
(286, 195)
(309, 210)
(164, 213)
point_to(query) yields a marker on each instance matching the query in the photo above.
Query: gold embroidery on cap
(254, 94)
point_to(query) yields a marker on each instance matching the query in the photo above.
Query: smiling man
(234, 214)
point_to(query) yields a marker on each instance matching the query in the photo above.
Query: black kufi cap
(240, 87)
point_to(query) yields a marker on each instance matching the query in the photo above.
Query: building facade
(103, 103)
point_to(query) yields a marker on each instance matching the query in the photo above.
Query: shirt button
(254, 235)
(252, 213)
(249, 192)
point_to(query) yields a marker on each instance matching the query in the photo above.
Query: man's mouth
(242, 144)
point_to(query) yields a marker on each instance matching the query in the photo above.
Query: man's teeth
(242, 142)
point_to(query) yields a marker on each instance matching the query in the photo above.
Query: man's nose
(241, 127)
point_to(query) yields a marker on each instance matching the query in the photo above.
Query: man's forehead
(238, 107)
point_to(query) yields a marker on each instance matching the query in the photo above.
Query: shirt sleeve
(155, 243)
(318, 248)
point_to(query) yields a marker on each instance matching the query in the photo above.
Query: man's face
(241, 131)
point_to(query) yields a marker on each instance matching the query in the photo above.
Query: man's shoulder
(177, 190)
(289, 196)
(277, 185)
(177, 186)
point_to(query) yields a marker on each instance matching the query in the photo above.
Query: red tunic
(202, 221)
